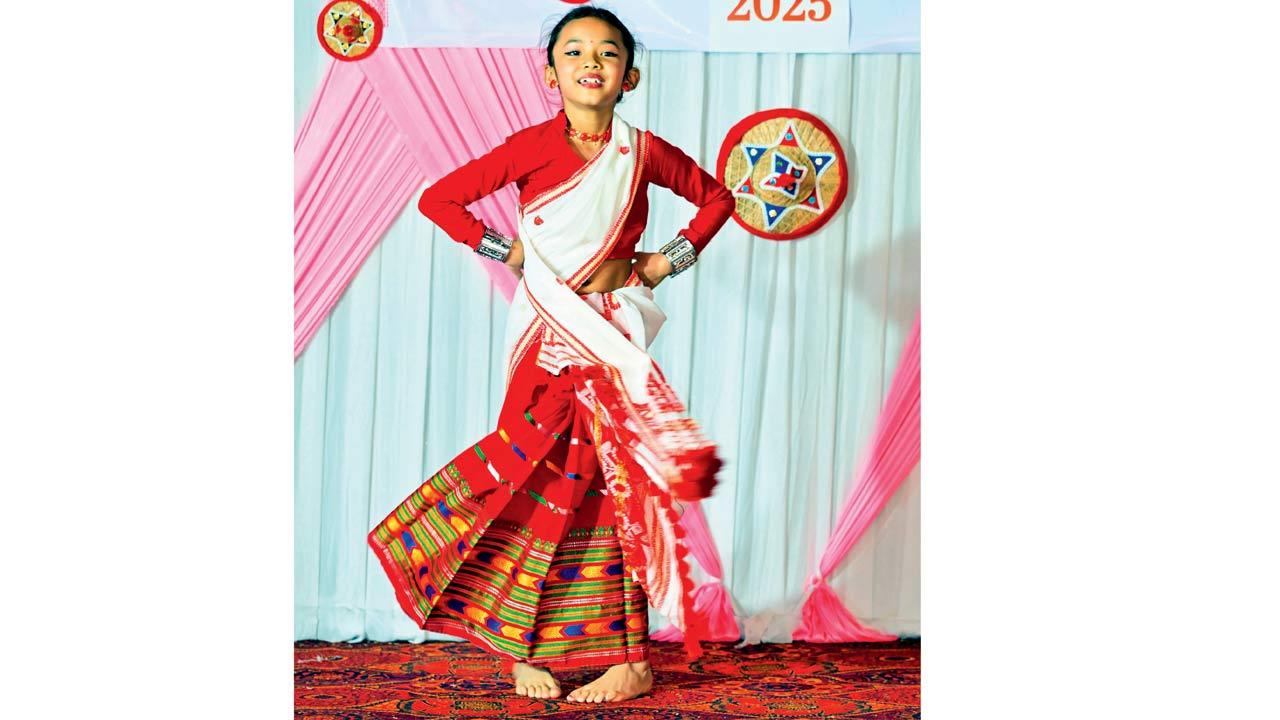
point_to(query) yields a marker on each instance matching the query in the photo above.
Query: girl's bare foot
(534, 682)
(620, 682)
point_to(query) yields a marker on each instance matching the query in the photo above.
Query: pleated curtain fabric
(377, 130)
(352, 176)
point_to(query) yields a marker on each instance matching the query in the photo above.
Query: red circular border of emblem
(734, 136)
(364, 7)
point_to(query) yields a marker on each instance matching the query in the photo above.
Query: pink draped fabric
(710, 599)
(380, 128)
(895, 450)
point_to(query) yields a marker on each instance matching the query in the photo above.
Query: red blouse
(539, 157)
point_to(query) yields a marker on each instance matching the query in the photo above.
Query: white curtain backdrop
(783, 351)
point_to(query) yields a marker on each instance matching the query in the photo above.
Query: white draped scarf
(567, 233)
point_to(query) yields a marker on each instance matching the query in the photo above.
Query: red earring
(554, 84)
(626, 87)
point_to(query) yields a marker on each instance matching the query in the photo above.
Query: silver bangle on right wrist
(681, 254)
(494, 245)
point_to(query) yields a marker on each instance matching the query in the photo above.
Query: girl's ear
(633, 78)
(549, 76)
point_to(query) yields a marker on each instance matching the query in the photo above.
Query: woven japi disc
(787, 171)
(349, 29)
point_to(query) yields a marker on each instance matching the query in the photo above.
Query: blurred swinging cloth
(543, 541)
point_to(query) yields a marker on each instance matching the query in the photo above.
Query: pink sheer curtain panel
(710, 599)
(895, 450)
(378, 130)
(352, 176)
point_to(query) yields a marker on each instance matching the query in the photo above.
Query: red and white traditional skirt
(512, 544)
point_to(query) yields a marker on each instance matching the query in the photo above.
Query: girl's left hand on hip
(652, 268)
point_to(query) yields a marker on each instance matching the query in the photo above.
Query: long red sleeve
(672, 169)
(538, 158)
(445, 202)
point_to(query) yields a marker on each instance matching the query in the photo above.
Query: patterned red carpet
(395, 681)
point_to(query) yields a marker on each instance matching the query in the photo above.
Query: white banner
(798, 26)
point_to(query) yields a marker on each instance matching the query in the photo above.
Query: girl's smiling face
(590, 64)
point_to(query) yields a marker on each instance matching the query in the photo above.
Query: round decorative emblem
(349, 29)
(786, 169)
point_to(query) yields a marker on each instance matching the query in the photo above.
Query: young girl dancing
(545, 541)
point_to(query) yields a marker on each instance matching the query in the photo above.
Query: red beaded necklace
(589, 137)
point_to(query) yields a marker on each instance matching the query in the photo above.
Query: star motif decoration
(785, 176)
(348, 29)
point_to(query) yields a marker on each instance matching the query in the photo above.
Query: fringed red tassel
(695, 626)
(824, 619)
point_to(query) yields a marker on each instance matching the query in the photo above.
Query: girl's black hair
(628, 41)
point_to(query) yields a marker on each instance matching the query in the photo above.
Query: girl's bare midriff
(611, 275)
